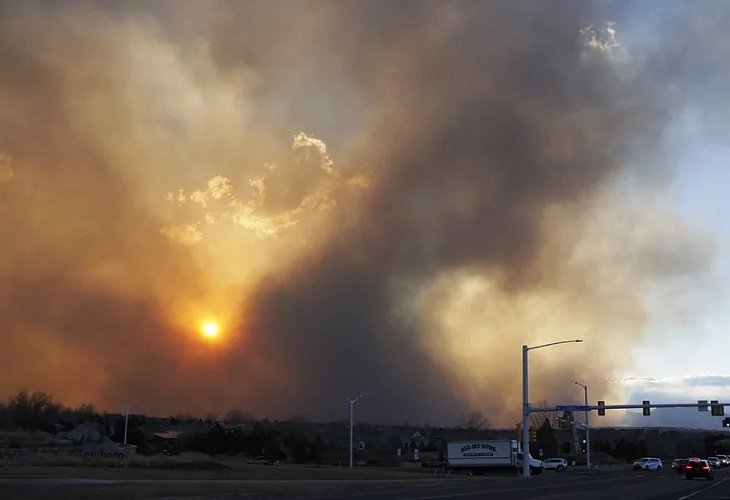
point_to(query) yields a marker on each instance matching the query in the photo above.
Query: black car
(679, 465)
(699, 468)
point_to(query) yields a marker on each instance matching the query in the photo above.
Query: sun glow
(210, 330)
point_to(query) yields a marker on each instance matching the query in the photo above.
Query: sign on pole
(717, 410)
(573, 408)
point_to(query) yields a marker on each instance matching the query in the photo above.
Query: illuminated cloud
(185, 234)
(6, 169)
(305, 191)
(218, 186)
(178, 198)
(602, 39)
(245, 216)
(314, 150)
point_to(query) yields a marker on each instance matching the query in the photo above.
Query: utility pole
(352, 423)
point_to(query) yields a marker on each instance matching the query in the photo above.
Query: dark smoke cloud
(491, 135)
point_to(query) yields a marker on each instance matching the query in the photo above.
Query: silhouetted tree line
(546, 440)
(296, 440)
(39, 411)
(258, 442)
(623, 449)
(716, 444)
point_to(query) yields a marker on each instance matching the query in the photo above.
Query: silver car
(555, 464)
(648, 463)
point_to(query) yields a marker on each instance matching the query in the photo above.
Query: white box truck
(478, 456)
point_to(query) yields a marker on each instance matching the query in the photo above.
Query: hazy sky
(369, 196)
(682, 352)
(684, 337)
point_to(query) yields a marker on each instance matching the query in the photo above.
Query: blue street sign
(573, 408)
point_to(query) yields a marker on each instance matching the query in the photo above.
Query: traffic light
(601, 411)
(533, 435)
(726, 422)
(583, 446)
(646, 409)
(716, 409)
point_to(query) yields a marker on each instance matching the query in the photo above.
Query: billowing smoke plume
(386, 198)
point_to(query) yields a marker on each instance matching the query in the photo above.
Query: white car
(555, 464)
(648, 463)
(714, 462)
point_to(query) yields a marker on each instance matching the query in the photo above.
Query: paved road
(619, 485)
(572, 485)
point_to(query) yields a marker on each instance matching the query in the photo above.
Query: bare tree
(566, 421)
(33, 411)
(475, 421)
(237, 417)
(537, 419)
(86, 412)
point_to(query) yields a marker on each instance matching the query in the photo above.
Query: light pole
(588, 431)
(526, 403)
(352, 413)
(126, 420)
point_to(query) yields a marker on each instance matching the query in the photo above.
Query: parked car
(714, 462)
(555, 464)
(679, 464)
(648, 463)
(699, 468)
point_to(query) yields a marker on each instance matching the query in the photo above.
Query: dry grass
(185, 460)
(235, 471)
(61, 460)
(193, 489)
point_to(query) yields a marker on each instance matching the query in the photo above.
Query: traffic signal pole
(717, 410)
(623, 407)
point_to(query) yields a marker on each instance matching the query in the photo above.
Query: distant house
(168, 440)
(232, 429)
(84, 433)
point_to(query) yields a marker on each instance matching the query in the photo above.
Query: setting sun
(210, 330)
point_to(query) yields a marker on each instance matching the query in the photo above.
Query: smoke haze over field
(386, 198)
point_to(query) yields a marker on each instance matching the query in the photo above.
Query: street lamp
(352, 405)
(588, 431)
(126, 421)
(526, 403)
